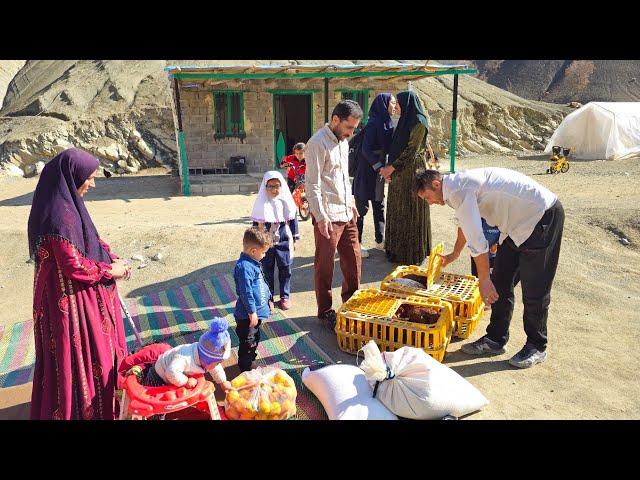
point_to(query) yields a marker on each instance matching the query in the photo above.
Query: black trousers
(291, 184)
(378, 218)
(535, 262)
(249, 338)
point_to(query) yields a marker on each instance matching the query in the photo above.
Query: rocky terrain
(563, 81)
(121, 112)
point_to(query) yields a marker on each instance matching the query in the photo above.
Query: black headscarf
(58, 209)
(411, 113)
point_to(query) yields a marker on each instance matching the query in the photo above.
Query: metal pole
(186, 188)
(454, 119)
(128, 315)
(326, 100)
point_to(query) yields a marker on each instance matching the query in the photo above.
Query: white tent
(600, 130)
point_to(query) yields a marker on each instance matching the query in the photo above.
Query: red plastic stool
(140, 402)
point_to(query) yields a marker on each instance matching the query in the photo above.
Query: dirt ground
(590, 373)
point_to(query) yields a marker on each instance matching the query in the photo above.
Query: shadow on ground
(123, 188)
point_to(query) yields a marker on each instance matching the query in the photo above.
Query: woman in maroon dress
(79, 334)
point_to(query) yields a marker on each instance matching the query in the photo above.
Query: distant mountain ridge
(563, 81)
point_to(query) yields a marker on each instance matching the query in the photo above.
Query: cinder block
(209, 188)
(232, 188)
(195, 189)
(249, 188)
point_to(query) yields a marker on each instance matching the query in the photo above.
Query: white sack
(415, 385)
(345, 393)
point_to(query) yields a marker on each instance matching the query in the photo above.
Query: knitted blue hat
(212, 345)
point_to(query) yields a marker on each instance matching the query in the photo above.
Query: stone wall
(205, 151)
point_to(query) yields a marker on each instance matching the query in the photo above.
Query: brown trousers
(344, 239)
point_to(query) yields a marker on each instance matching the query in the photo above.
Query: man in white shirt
(530, 218)
(332, 207)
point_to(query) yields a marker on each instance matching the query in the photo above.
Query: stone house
(226, 116)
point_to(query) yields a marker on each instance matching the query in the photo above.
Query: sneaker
(528, 357)
(483, 346)
(285, 304)
(380, 245)
(364, 253)
(329, 319)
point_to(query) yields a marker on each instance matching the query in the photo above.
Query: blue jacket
(251, 288)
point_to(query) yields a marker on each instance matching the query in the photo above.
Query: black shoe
(483, 346)
(528, 357)
(328, 318)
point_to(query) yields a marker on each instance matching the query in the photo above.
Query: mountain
(563, 81)
(121, 112)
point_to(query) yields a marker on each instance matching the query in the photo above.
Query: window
(361, 97)
(228, 114)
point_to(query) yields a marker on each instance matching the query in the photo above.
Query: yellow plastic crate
(435, 264)
(461, 290)
(369, 315)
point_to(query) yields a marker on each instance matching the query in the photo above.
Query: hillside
(121, 112)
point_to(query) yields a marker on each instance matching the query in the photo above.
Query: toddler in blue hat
(205, 355)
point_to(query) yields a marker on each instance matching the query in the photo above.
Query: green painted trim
(293, 91)
(452, 151)
(365, 100)
(228, 127)
(186, 188)
(192, 75)
(242, 110)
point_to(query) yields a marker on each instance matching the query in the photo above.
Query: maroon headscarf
(57, 208)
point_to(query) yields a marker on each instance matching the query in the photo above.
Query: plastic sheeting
(600, 130)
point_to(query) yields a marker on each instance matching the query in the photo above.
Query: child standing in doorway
(275, 212)
(296, 165)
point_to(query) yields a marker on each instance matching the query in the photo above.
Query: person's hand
(127, 266)
(488, 291)
(120, 270)
(356, 213)
(325, 228)
(226, 385)
(192, 382)
(253, 320)
(449, 258)
(386, 172)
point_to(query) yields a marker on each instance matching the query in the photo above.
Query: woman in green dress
(408, 225)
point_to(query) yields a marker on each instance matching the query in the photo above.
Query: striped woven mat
(180, 315)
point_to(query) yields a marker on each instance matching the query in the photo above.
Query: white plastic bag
(414, 385)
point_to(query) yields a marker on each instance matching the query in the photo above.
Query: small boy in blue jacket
(252, 306)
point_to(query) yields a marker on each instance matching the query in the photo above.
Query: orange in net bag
(266, 393)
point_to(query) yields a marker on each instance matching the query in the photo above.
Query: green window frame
(228, 113)
(361, 97)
